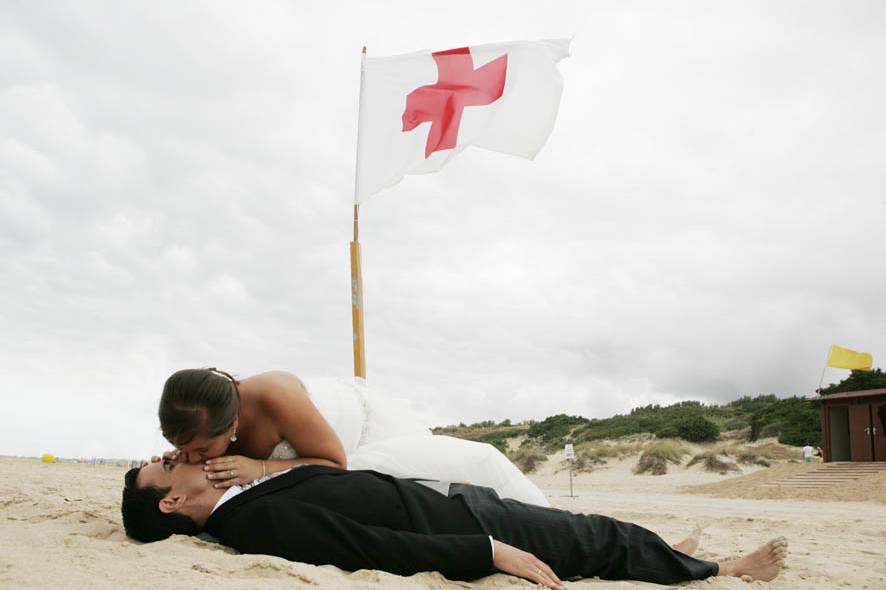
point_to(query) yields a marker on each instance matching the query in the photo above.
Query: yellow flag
(843, 358)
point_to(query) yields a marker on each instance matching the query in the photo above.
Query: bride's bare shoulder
(273, 385)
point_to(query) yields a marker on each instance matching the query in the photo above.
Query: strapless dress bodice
(384, 433)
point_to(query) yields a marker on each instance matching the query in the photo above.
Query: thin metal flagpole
(823, 369)
(356, 266)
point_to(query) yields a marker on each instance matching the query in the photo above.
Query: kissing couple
(317, 511)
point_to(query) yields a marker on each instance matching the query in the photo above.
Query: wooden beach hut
(853, 425)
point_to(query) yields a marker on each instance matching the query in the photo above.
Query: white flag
(419, 110)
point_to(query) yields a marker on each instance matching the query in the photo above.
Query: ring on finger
(231, 473)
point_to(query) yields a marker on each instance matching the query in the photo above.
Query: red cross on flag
(417, 111)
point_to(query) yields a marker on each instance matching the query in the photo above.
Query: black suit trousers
(581, 545)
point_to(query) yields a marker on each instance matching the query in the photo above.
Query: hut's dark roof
(852, 394)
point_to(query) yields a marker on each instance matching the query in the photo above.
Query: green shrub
(552, 431)
(858, 381)
(756, 426)
(770, 430)
(483, 424)
(800, 422)
(800, 437)
(698, 429)
(670, 430)
(734, 423)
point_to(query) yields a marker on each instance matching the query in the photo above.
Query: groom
(368, 520)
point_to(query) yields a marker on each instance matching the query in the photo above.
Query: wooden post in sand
(357, 303)
(569, 452)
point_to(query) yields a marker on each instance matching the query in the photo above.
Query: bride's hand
(232, 470)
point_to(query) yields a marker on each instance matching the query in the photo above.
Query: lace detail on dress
(283, 451)
(367, 413)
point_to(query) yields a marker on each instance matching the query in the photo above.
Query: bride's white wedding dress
(381, 434)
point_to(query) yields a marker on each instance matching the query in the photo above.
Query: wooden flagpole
(357, 302)
(356, 266)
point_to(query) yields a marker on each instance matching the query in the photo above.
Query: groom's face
(180, 477)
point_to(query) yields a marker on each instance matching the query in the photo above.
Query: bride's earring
(234, 437)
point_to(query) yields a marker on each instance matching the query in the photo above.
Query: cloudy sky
(176, 189)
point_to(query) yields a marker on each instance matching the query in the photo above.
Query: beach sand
(60, 527)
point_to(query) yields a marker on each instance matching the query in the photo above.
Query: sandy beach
(61, 528)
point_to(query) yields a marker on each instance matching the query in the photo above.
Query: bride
(246, 430)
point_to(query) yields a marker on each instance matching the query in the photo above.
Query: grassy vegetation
(775, 452)
(591, 455)
(757, 454)
(496, 434)
(748, 457)
(528, 458)
(713, 461)
(655, 458)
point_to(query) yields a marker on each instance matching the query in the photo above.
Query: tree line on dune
(792, 420)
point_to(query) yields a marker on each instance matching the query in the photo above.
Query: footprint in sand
(269, 569)
(256, 569)
(102, 531)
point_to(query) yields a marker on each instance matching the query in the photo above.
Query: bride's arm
(297, 420)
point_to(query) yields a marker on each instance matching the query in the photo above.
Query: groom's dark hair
(142, 518)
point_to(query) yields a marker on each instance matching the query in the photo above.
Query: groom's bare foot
(764, 564)
(689, 545)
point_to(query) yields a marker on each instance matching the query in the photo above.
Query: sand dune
(60, 527)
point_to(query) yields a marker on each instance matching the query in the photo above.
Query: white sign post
(570, 456)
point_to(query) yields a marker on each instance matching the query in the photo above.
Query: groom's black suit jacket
(356, 520)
